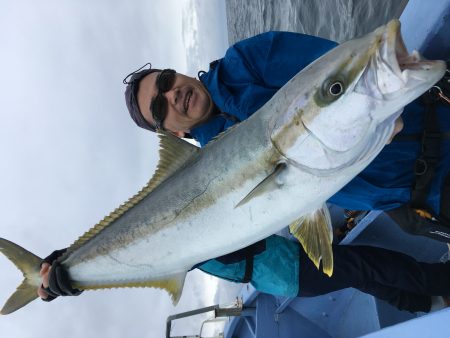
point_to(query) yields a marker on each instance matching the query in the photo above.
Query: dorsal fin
(174, 153)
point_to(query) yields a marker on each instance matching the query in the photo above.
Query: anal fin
(172, 284)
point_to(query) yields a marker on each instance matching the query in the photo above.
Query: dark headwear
(132, 81)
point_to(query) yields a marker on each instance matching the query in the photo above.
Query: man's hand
(55, 280)
(398, 126)
(44, 273)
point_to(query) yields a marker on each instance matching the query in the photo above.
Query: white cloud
(202, 39)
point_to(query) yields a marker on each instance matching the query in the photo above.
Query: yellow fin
(173, 285)
(315, 233)
(174, 153)
(29, 264)
(268, 184)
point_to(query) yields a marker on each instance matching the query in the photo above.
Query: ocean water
(337, 20)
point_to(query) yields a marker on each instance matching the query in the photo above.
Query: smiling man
(178, 102)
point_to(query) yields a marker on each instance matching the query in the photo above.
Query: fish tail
(29, 264)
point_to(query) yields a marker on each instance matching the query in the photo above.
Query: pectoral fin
(270, 183)
(315, 233)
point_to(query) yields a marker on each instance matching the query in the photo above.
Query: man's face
(188, 102)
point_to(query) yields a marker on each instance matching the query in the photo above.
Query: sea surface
(314, 17)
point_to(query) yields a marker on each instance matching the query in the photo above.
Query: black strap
(426, 163)
(243, 254)
(248, 270)
(439, 226)
(247, 254)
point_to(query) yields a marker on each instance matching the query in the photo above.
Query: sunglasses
(159, 105)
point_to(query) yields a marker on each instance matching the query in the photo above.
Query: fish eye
(330, 90)
(336, 88)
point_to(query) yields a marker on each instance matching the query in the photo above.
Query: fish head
(350, 98)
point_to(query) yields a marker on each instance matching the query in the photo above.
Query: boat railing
(220, 314)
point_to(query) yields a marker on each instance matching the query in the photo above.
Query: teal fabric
(275, 271)
(232, 272)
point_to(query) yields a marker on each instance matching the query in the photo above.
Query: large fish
(274, 169)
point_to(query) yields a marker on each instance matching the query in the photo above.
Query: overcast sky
(70, 154)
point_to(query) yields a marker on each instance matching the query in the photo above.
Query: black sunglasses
(159, 105)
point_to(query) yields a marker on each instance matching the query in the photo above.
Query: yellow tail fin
(29, 264)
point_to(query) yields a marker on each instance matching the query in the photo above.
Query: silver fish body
(192, 216)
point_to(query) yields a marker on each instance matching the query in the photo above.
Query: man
(233, 89)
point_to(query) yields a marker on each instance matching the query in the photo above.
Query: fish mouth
(392, 54)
